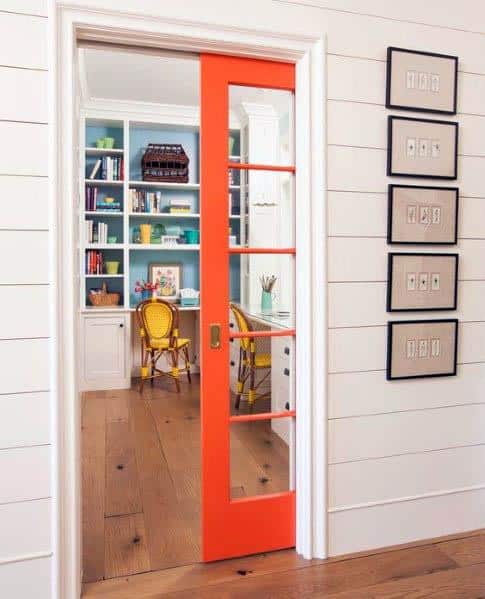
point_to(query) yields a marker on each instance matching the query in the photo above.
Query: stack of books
(108, 168)
(146, 201)
(94, 262)
(93, 203)
(96, 232)
(180, 206)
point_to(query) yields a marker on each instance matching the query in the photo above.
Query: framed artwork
(169, 280)
(421, 348)
(422, 148)
(421, 81)
(422, 282)
(422, 215)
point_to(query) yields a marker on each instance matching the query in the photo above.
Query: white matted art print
(422, 215)
(168, 278)
(421, 81)
(422, 148)
(422, 282)
(421, 348)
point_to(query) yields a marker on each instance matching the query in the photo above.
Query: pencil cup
(266, 302)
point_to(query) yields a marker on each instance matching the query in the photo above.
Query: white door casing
(308, 53)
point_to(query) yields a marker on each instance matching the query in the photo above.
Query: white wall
(25, 410)
(407, 459)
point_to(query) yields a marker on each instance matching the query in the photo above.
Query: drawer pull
(286, 372)
(287, 351)
(121, 325)
(231, 325)
(287, 405)
(233, 363)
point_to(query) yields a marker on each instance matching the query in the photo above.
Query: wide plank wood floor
(442, 569)
(141, 477)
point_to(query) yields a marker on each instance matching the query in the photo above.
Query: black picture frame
(390, 214)
(391, 173)
(390, 269)
(392, 324)
(390, 51)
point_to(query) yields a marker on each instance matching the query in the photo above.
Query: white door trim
(66, 24)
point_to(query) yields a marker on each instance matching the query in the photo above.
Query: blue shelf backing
(95, 130)
(115, 225)
(141, 259)
(142, 135)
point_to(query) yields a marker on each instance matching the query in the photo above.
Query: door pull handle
(215, 336)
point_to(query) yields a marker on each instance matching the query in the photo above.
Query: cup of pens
(267, 284)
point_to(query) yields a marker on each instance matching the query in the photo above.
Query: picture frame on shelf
(418, 281)
(422, 215)
(422, 148)
(421, 349)
(168, 276)
(421, 81)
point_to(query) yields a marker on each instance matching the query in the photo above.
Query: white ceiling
(136, 76)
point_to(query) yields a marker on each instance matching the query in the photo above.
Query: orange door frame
(255, 524)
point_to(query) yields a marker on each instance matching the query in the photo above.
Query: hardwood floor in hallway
(448, 568)
(141, 477)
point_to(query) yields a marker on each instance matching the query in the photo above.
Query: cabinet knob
(231, 325)
(286, 372)
(287, 351)
(287, 405)
(233, 363)
(121, 325)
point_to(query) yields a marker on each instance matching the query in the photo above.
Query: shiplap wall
(25, 410)
(407, 459)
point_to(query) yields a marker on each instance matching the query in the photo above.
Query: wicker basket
(165, 162)
(104, 298)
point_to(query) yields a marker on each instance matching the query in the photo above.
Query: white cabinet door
(104, 352)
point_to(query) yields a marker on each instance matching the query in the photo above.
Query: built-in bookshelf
(110, 219)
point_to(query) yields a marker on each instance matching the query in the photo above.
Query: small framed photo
(422, 148)
(422, 215)
(422, 282)
(421, 348)
(168, 277)
(421, 81)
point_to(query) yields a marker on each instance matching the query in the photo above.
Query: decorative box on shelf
(189, 297)
(189, 301)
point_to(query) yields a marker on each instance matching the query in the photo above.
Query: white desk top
(277, 319)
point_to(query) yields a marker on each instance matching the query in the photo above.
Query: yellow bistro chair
(250, 361)
(159, 334)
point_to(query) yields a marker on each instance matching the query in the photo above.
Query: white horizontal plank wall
(405, 457)
(414, 507)
(27, 579)
(25, 404)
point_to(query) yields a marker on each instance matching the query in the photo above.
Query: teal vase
(266, 302)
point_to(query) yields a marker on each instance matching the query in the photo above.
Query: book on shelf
(147, 202)
(180, 206)
(94, 262)
(108, 168)
(96, 232)
(94, 203)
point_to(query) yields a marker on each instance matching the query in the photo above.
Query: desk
(282, 352)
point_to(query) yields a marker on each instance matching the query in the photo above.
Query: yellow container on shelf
(145, 233)
(112, 267)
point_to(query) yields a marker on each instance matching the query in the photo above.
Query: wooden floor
(444, 569)
(141, 477)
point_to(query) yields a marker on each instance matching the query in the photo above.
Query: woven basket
(165, 162)
(104, 298)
